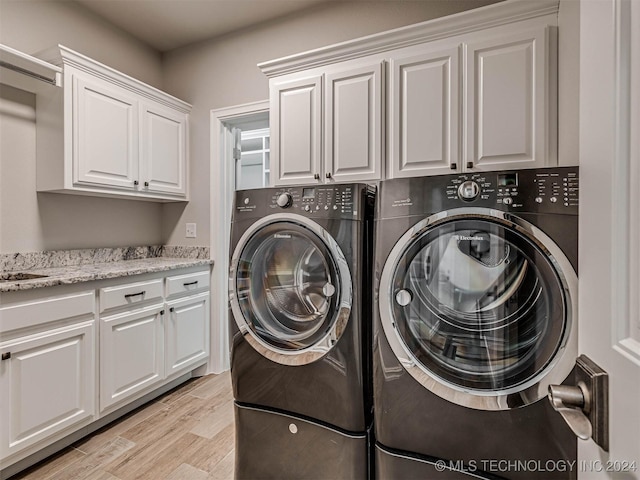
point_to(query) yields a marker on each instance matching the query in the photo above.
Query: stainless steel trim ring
(523, 394)
(344, 302)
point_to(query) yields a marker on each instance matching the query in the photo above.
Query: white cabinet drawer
(130, 294)
(46, 310)
(187, 283)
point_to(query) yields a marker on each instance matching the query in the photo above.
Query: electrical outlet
(191, 230)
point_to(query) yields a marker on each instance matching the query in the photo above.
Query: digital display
(507, 179)
(308, 192)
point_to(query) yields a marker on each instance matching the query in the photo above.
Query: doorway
(236, 163)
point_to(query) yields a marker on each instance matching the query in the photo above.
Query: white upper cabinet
(108, 134)
(163, 150)
(421, 100)
(425, 116)
(326, 127)
(296, 124)
(105, 122)
(353, 124)
(510, 104)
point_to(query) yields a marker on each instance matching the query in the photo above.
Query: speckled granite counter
(76, 266)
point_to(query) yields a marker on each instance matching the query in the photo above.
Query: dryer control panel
(541, 190)
(343, 201)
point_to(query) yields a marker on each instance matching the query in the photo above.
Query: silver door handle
(585, 407)
(571, 402)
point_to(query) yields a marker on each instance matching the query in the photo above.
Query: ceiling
(169, 24)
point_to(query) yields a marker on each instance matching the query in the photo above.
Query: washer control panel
(523, 189)
(539, 190)
(345, 201)
(334, 198)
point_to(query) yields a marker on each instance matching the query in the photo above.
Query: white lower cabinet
(187, 333)
(47, 373)
(131, 354)
(115, 343)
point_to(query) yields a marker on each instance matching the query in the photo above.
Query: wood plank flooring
(186, 434)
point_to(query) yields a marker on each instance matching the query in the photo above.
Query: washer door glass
(479, 305)
(287, 286)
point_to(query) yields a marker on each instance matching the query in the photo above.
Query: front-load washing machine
(300, 323)
(475, 316)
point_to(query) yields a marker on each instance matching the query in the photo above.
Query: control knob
(468, 190)
(508, 201)
(284, 200)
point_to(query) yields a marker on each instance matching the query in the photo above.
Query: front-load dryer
(475, 316)
(300, 323)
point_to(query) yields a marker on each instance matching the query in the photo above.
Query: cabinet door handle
(6, 356)
(454, 166)
(469, 164)
(135, 182)
(146, 184)
(161, 312)
(172, 309)
(129, 295)
(190, 283)
(328, 175)
(316, 176)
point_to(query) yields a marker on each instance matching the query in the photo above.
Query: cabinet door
(46, 386)
(105, 134)
(187, 333)
(295, 131)
(508, 110)
(164, 150)
(131, 354)
(353, 124)
(424, 117)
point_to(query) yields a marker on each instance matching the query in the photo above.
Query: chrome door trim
(324, 345)
(529, 392)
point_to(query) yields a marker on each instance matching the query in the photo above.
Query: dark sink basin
(18, 276)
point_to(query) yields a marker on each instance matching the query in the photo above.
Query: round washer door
(479, 306)
(290, 289)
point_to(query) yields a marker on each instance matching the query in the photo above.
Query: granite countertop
(66, 275)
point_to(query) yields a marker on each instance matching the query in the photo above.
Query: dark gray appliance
(475, 316)
(300, 302)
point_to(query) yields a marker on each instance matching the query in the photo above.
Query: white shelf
(28, 73)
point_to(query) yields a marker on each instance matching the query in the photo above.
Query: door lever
(585, 407)
(571, 402)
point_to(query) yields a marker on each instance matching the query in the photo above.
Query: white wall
(223, 72)
(31, 221)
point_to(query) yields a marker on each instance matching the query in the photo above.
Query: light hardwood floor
(186, 434)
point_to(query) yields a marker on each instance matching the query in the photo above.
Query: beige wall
(222, 72)
(30, 221)
(214, 74)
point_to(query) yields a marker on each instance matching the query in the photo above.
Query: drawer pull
(6, 356)
(190, 283)
(129, 295)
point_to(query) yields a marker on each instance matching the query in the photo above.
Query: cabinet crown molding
(63, 56)
(489, 16)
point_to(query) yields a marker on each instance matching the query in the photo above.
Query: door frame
(222, 184)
